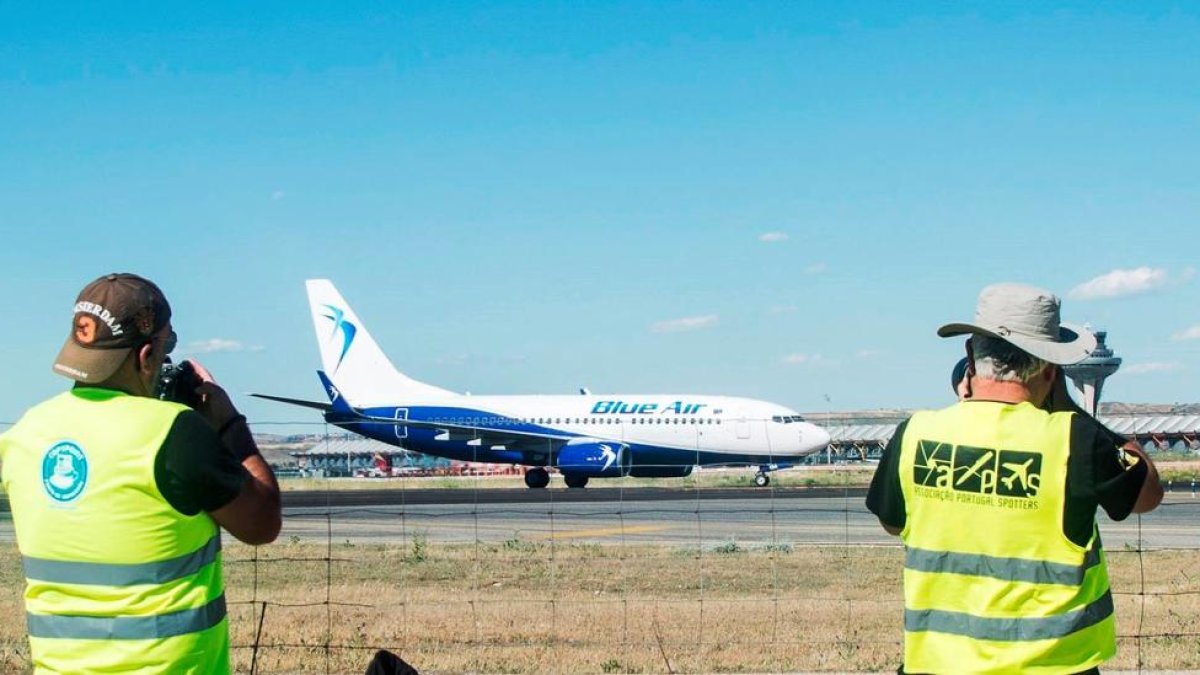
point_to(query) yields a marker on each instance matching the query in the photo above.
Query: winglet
(338, 403)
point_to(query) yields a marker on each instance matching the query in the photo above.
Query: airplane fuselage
(659, 430)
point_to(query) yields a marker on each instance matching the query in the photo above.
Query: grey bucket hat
(1028, 318)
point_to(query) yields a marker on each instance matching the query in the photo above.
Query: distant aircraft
(583, 436)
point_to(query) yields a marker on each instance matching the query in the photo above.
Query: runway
(647, 516)
(651, 516)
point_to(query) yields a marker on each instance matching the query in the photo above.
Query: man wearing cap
(118, 498)
(995, 500)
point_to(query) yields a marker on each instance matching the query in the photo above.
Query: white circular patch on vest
(64, 471)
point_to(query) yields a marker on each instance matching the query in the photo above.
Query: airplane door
(743, 428)
(401, 431)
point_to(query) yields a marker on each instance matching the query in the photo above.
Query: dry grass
(539, 607)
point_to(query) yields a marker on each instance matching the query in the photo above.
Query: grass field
(524, 607)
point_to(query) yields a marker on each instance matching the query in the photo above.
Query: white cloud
(1152, 367)
(214, 345)
(783, 309)
(277, 195)
(816, 268)
(803, 359)
(684, 324)
(869, 353)
(1192, 333)
(773, 237)
(1121, 283)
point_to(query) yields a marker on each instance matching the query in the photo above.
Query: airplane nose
(815, 438)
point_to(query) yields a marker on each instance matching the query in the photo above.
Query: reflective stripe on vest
(107, 574)
(1005, 569)
(185, 621)
(1009, 629)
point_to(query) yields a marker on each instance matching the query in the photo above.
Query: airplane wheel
(762, 479)
(574, 481)
(537, 477)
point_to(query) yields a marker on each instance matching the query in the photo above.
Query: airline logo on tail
(347, 329)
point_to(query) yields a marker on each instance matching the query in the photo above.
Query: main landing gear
(537, 477)
(574, 480)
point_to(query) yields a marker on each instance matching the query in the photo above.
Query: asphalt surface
(748, 517)
(662, 516)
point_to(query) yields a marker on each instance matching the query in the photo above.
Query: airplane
(582, 436)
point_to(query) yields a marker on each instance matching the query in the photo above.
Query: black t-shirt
(194, 470)
(1096, 476)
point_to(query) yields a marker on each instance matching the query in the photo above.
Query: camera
(177, 382)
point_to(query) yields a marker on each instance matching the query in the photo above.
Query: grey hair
(998, 360)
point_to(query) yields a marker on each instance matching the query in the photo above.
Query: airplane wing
(453, 432)
(459, 432)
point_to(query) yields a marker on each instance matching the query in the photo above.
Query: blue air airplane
(581, 436)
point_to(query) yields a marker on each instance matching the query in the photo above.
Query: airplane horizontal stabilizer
(318, 405)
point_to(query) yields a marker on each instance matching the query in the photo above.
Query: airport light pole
(1089, 374)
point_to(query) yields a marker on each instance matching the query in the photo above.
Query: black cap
(113, 315)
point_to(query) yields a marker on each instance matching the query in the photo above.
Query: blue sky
(777, 200)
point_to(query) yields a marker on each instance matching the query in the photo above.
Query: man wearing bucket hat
(118, 498)
(995, 500)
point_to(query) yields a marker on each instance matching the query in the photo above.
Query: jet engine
(594, 458)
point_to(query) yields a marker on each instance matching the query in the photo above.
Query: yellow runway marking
(604, 532)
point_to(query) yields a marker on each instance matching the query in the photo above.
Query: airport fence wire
(478, 573)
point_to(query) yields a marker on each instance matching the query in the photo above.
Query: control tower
(1090, 373)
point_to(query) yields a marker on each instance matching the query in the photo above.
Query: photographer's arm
(254, 516)
(1151, 494)
(1118, 470)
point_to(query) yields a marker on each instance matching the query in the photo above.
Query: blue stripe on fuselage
(423, 439)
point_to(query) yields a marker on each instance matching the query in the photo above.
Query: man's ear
(1050, 373)
(144, 354)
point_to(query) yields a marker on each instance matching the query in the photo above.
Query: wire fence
(480, 574)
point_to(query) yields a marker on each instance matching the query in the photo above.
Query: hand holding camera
(191, 384)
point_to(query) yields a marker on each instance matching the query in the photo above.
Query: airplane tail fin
(351, 358)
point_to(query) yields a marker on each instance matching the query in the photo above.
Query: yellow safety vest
(116, 579)
(991, 582)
